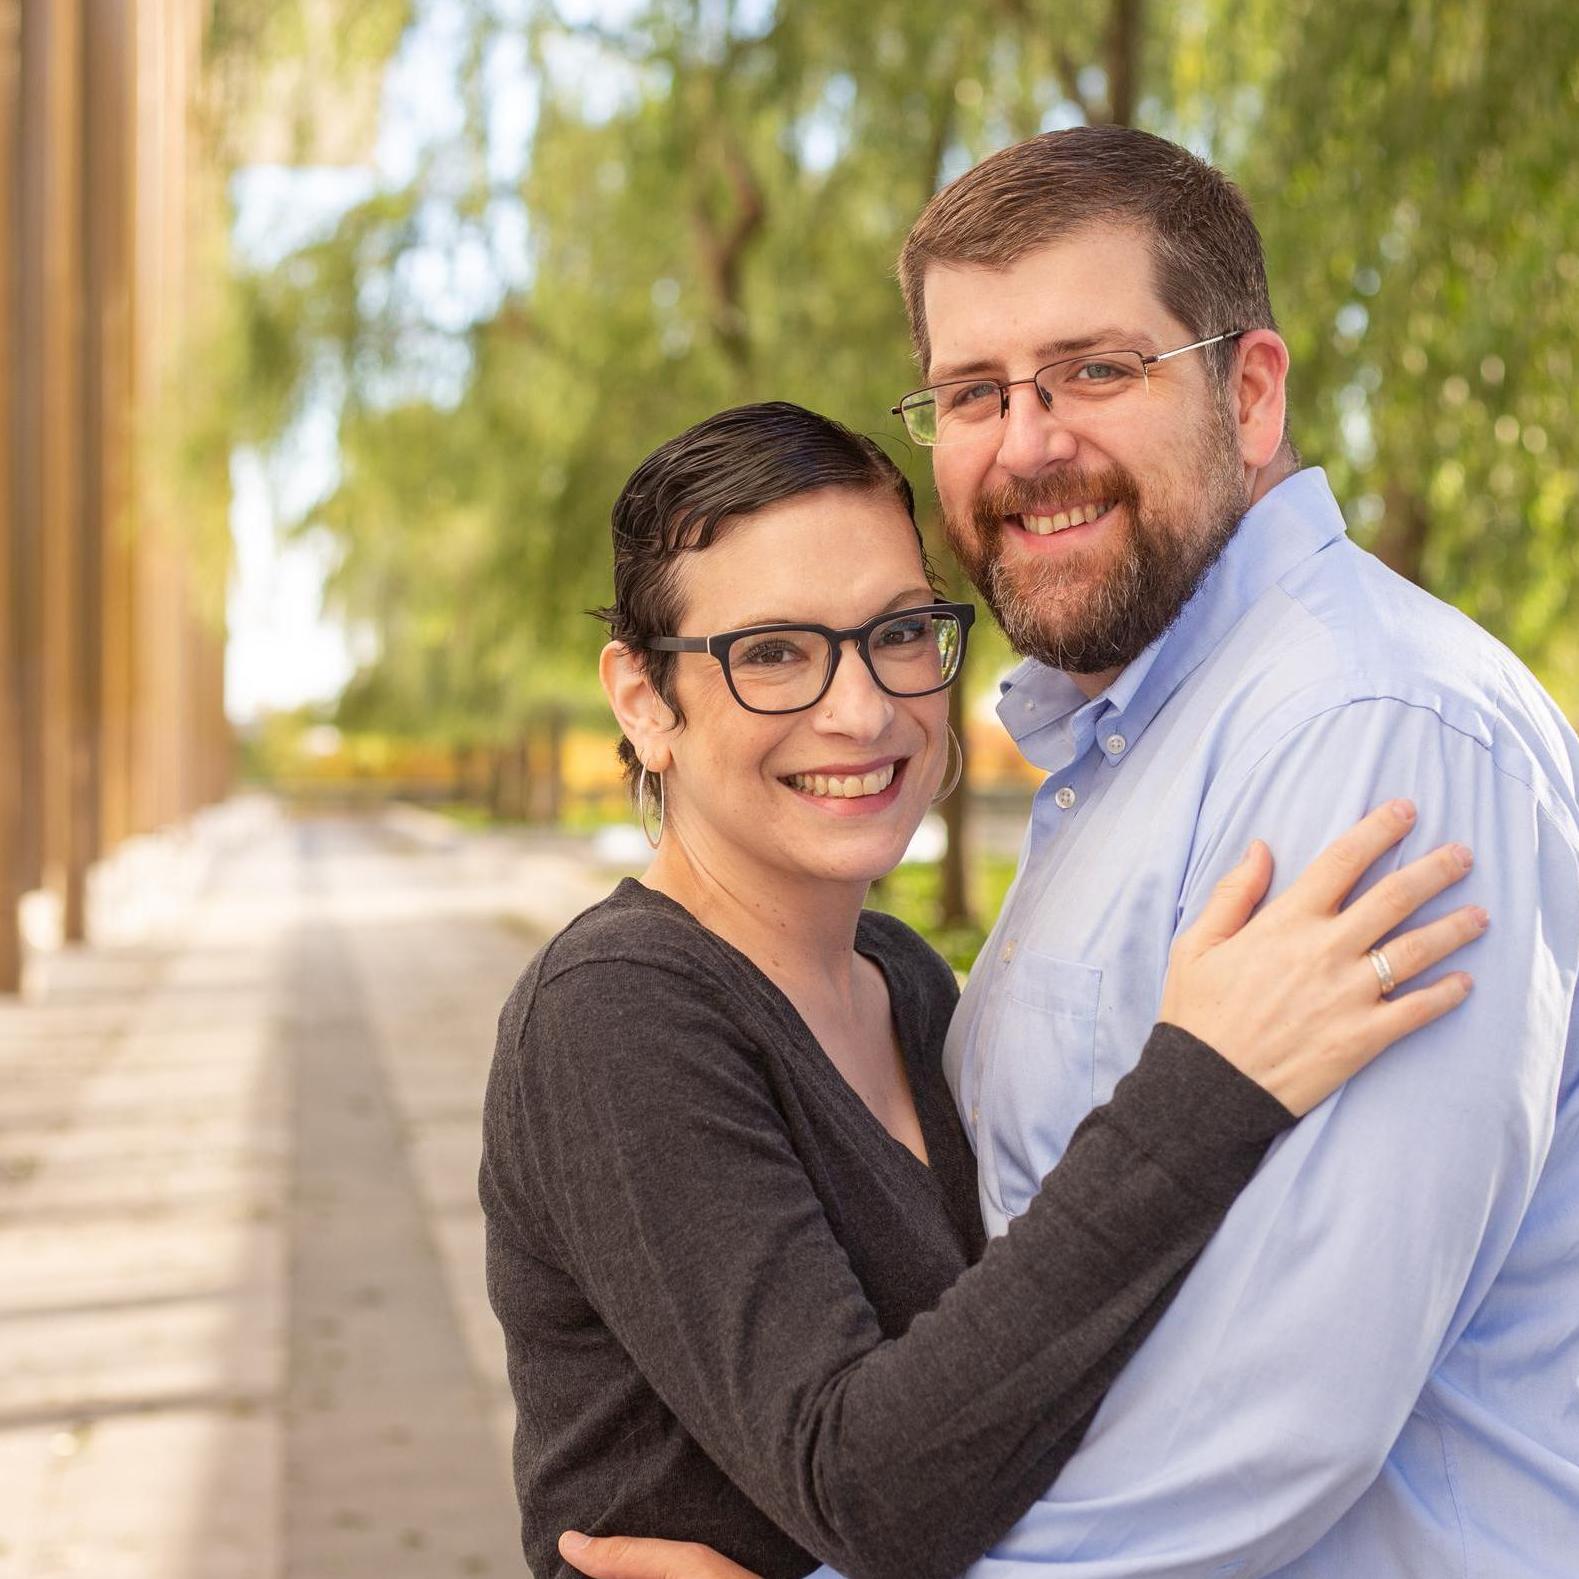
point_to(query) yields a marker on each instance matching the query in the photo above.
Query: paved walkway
(243, 1333)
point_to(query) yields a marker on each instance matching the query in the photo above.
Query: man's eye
(1098, 372)
(970, 397)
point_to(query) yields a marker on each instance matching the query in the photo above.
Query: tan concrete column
(52, 230)
(110, 143)
(11, 778)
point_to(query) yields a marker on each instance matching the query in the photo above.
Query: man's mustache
(1050, 495)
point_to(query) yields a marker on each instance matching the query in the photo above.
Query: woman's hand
(1290, 997)
(632, 1557)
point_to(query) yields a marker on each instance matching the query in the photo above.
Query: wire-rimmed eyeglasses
(967, 408)
(787, 668)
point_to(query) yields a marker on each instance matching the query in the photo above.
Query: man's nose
(1031, 436)
(855, 705)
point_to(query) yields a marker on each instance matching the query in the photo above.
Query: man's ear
(644, 717)
(1258, 392)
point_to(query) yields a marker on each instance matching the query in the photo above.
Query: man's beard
(1066, 613)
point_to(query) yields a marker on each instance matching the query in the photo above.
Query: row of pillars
(111, 682)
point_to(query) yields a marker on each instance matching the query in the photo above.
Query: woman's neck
(800, 932)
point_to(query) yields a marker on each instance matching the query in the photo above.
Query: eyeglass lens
(780, 671)
(949, 413)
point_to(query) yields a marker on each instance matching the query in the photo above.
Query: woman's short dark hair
(691, 489)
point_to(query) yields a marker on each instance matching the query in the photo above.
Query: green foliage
(1415, 178)
(715, 197)
(913, 892)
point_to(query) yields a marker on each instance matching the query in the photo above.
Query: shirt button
(1115, 744)
(975, 1116)
(1030, 706)
(1008, 951)
(1064, 799)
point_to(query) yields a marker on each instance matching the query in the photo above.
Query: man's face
(1157, 470)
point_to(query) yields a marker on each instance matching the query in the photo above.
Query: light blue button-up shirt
(1374, 1369)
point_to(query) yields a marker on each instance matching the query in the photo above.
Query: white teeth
(1046, 525)
(843, 786)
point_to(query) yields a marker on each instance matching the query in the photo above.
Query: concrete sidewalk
(242, 1324)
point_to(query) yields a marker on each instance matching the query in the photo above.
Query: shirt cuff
(1196, 1115)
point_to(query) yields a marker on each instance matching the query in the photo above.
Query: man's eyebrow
(1103, 339)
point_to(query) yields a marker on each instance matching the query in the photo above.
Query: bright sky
(284, 648)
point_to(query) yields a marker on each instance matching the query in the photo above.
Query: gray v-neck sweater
(737, 1311)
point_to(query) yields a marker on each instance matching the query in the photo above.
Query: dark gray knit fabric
(738, 1311)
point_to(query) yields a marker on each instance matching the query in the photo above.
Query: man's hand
(630, 1557)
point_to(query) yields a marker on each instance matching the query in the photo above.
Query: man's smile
(1044, 525)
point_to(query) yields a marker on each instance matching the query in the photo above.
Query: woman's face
(742, 788)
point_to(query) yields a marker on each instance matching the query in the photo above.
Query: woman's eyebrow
(915, 597)
(912, 597)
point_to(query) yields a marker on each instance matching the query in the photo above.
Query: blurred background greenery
(491, 252)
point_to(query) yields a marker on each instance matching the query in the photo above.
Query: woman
(732, 1225)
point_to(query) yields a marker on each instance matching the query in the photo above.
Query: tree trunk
(1406, 528)
(723, 243)
(554, 775)
(520, 803)
(1125, 30)
(954, 900)
(494, 798)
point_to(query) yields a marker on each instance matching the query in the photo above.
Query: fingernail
(574, 1541)
(1482, 917)
(1464, 856)
(1404, 810)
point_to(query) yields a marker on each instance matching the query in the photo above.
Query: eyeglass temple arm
(1195, 345)
(677, 644)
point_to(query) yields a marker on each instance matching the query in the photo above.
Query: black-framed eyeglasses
(968, 408)
(787, 668)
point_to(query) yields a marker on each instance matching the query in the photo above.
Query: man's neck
(1095, 684)
(1259, 482)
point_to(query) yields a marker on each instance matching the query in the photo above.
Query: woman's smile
(843, 790)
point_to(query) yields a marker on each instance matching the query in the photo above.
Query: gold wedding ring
(1384, 971)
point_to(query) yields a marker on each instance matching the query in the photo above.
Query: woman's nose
(854, 704)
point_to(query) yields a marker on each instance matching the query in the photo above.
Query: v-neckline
(829, 1068)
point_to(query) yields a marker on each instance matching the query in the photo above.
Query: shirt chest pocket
(1043, 1066)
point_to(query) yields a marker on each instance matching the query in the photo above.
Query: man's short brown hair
(1206, 251)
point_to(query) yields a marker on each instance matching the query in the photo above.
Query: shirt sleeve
(1268, 1397)
(666, 1169)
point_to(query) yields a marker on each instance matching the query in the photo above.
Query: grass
(912, 893)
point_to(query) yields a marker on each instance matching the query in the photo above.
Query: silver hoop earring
(652, 837)
(951, 780)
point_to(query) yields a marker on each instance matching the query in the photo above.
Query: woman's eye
(769, 654)
(904, 632)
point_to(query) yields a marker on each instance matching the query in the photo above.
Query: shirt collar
(1294, 521)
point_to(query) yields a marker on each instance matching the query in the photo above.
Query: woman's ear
(645, 718)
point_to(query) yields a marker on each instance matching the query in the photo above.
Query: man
(1371, 1372)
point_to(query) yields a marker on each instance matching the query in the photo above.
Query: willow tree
(714, 195)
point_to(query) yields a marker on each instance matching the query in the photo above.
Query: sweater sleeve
(667, 1173)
